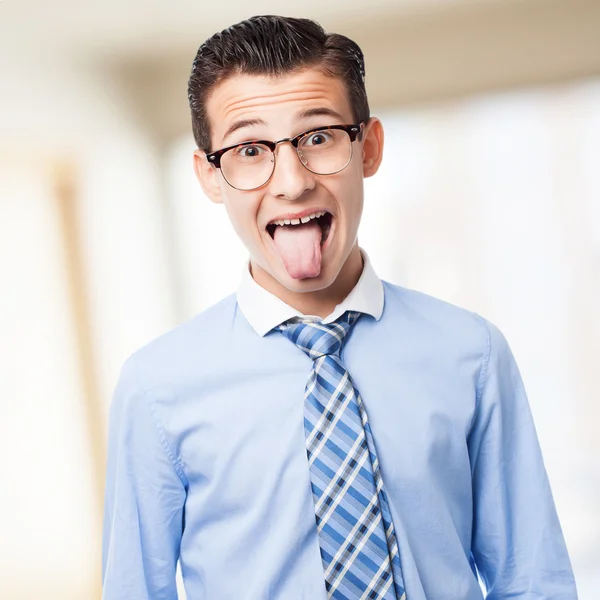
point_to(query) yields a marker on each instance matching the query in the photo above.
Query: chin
(307, 285)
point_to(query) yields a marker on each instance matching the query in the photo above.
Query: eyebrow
(319, 112)
(304, 114)
(241, 124)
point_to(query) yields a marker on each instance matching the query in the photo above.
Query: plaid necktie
(358, 543)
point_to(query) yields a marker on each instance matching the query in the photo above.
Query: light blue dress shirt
(207, 458)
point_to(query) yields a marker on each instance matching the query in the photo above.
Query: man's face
(306, 257)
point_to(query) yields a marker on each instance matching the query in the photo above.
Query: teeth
(298, 221)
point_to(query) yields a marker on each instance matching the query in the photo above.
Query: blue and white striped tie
(356, 533)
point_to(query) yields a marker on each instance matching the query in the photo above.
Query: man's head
(272, 79)
(274, 46)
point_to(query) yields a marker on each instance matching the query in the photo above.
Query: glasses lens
(247, 167)
(325, 152)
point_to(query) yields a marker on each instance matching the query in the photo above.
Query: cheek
(242, 209)
(349, 191)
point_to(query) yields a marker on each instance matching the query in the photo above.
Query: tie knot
(317, 339)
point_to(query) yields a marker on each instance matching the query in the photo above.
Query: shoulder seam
(177, 466)
(485, 359)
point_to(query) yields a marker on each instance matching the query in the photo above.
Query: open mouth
(323, 219)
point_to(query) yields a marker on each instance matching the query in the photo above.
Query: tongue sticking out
(300, 248)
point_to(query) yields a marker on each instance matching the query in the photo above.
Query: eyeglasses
(323, 151)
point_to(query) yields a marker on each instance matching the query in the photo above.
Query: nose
(290, 179)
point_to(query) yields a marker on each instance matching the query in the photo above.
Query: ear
(207, 176)
(372, 146)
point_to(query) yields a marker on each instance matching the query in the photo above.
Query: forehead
(275, 100)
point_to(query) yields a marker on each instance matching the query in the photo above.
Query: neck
(319, 302)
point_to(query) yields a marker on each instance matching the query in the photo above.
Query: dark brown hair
(272, 45)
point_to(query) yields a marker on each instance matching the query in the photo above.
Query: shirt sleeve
(144, 499)
(517, 542)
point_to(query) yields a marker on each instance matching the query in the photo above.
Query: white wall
(57, 114)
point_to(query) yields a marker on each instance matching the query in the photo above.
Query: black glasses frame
(352, 130)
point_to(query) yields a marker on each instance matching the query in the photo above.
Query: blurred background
(488, 197)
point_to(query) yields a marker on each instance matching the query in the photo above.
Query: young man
(320, 434)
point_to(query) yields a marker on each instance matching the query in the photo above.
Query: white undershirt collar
(264, 311)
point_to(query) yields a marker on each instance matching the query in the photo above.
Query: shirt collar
(264, 311)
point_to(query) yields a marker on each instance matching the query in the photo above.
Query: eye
(250, 151)
(318, 138)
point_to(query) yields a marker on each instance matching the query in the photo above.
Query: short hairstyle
(273, 45)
